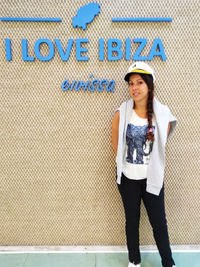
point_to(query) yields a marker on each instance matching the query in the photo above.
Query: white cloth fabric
(155, 170)
(137, 148)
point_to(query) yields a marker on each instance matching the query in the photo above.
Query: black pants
(132, 191)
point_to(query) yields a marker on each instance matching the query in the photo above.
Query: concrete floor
(88, 259)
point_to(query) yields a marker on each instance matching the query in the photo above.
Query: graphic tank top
(137, 149)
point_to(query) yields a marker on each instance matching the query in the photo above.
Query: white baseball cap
(139, 67)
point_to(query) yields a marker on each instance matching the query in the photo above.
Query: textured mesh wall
(57, 165)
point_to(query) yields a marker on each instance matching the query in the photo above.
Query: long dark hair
(149, 81)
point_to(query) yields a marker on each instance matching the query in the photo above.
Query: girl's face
(138, 89)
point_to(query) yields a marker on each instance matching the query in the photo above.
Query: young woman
(140, 129)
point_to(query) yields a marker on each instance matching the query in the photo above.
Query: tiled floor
(188, 259)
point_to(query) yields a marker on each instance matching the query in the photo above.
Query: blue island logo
(85, 15)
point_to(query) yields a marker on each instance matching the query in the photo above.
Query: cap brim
(126, 78)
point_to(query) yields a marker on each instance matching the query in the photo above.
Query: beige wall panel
(57, 167)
